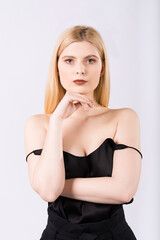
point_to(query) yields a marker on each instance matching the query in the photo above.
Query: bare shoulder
(35, 132)
(129, 113)
(124, 111)
(128, 128)
(39, 120)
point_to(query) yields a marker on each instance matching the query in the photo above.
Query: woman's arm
(97, 190)
(46, 171)
(123, 184)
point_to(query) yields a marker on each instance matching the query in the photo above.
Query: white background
(29, 30)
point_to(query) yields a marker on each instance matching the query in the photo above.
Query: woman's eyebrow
(84, 57)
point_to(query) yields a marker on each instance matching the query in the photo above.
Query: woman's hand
(70, 103)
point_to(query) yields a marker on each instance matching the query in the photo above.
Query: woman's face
(80, 60)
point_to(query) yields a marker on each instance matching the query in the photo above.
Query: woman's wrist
(55, 118)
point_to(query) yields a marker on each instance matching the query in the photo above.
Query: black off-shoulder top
(98, 163)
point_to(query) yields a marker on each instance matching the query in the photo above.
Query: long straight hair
(54, 91)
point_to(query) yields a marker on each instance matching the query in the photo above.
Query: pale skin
(123, 184)
(94, 189)
(80, 67)
(90, 128)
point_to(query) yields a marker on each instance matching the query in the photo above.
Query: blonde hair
(54, 91)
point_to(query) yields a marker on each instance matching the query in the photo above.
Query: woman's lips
(79, 82)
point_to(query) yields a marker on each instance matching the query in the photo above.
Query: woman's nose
(80, 68)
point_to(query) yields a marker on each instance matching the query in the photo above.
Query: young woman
(84, 158)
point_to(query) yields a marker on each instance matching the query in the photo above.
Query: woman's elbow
(127, 195)
(47, 197)
(126, 198)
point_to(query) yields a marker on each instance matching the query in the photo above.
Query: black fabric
(98, 163)
(36, 152)
(115, 146)
(113, 228)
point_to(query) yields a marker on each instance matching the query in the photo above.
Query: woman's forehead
(83, 48)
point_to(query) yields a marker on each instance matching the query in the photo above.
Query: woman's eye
(67, 60)
(92, 59)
